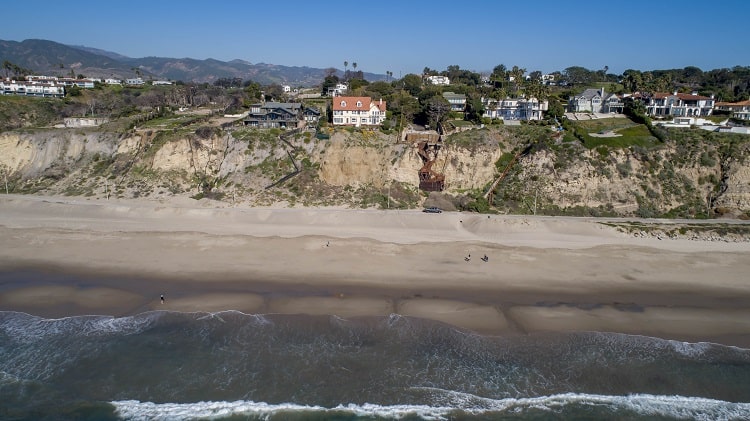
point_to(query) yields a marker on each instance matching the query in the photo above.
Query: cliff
(679, 178)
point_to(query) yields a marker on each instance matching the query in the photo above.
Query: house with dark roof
(275, 115)
(595, 101)
(457, 101)
(358, 111)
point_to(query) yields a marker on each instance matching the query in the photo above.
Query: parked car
(432, 209)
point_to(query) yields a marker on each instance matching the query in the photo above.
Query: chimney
(675, 92)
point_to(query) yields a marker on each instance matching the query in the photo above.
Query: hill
(55, 59)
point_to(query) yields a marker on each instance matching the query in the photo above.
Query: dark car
(432, 210)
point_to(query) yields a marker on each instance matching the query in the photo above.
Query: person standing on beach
(162, 298)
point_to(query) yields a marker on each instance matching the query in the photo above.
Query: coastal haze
(169, 262)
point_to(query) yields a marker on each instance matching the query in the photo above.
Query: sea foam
(646, 405)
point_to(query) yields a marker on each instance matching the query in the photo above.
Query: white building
(595, 101)
(438, 80)
(339, 90)
(358, 111)
(135, 82)
(677, 104)
(739, 110)
(31, 88)
(514, 109)
(457, 101)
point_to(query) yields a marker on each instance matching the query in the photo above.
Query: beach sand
(64, 256)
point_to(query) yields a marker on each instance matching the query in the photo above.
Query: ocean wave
(25, 327)
(677, 407)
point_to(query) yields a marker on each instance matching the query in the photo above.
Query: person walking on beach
(162, 298)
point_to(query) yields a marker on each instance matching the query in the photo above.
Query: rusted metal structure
(429, 179)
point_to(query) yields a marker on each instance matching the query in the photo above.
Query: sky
(403, 36)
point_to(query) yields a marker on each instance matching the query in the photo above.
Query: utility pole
(6, 181)
(536, 193)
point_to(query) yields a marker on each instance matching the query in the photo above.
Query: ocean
(165, 365)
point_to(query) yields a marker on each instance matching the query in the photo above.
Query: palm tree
(355, 66)
(346, 68)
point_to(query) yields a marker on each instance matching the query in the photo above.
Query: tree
(517, 74)
(412, 83)
(436, 109)
(555, 108)
(330, 81)
(7, 66)
(346, 69)
(632, 80)
(474, 109)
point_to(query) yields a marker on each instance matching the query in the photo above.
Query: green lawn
(630, 133)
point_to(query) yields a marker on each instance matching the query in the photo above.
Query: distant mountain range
(55, 59)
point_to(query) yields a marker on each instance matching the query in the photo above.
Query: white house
(161, 82)
(31, 88)
(438, 80)
(286, 89)
(677, 104)
(134, 82)
(457, 101)
(340, 89)
(514, 109)
(739, 110)
(358, 111)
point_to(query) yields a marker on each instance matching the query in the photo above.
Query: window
(343, 103)
(359, 104)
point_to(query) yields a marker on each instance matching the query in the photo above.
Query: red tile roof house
(358, 111)
(680, 105)
(740, 110)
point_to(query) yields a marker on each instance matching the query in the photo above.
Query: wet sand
(62, 256)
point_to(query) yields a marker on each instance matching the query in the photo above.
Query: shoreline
(61, 258)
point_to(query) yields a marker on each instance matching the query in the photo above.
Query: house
(31, 88)
(595, 101)
(678, 104)
(161, 82)
(275, 115)
(135, 82)
(113, 81)
(514, 109)
(457, 101)
(311, 115)
(358, 111)
(339, 90)
(438, 80)
(287, 89)
(739, 110)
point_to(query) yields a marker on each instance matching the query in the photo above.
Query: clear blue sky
(402, 36)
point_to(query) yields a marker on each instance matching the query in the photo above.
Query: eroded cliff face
(241, 164)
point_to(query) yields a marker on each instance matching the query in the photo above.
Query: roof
(735, 104)
(589, 93)
(284, 105)
(684, 97)
(349, 103)
(454, 95)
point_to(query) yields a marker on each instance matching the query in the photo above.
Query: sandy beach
(64, 256)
